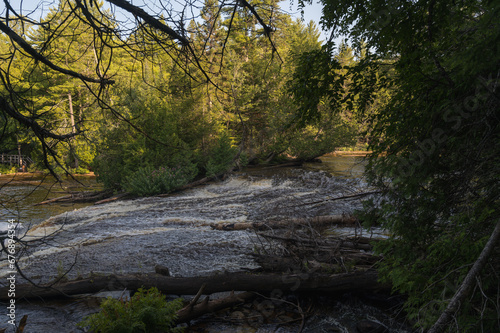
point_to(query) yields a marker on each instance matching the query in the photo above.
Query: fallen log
(116, 197)
(316, 221)
(329, 244)
(351, 196)
(359, 280)
(54, 200)
(87, 196)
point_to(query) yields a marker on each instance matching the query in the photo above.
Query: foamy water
(135, 235)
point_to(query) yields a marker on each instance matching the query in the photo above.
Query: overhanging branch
(31, 123)
(139, 12)
(39, 57)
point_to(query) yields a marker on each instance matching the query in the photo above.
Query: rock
(368, 326)
(163, 270)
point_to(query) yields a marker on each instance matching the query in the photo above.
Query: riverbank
(349, 153)
(34, 178)
(20, 193)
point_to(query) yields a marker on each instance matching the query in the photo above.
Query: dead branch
(85, 196)
(190, 312)
(316, 221)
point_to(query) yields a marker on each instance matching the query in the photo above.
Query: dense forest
(157, 97)
(164, 118)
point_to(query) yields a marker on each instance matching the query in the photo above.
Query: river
(135, 235)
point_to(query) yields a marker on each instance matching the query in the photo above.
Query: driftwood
(360, 280)
(344, 197)
(54, 200)
(114, 198)
(283, 165)
(314, 221)
(85, 196)
(330, 245)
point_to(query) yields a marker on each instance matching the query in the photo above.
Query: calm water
(20, 193)
(340, 166)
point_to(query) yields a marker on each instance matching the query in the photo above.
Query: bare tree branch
(139, 12)
(39, 57)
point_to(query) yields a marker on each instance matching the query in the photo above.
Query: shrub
(221, 157)
(147, 311)
(150, 181)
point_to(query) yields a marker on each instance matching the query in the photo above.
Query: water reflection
(19, 193)
(343, 166)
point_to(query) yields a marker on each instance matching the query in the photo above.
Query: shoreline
(35, 178)
(349, 153)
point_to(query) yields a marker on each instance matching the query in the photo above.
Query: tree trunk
(361, 280)
(73, 128)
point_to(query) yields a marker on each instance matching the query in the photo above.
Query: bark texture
(361, 280)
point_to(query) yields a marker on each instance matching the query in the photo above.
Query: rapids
(175, 231)
(134, 235)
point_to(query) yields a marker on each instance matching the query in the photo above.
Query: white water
(135, 235)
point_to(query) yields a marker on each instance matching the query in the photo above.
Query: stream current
(133, 236)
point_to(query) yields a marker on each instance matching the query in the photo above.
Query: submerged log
(314, 221)
(114, 198)
(54, 200)
(86, 196)
(360, 280)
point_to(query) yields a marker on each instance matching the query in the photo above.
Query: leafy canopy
(435, 137)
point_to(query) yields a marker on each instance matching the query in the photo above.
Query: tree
(109, 31)
(435, 144)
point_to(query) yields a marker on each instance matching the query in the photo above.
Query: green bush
(221, 157)
(6, 169)
(147, 311)
(150, 181)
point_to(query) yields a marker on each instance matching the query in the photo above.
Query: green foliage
(316, 140)
(431, 77)
(146, 311)
(166, 133)
(149, 181)
(221, 157)
(150, 116)
(6, 169)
